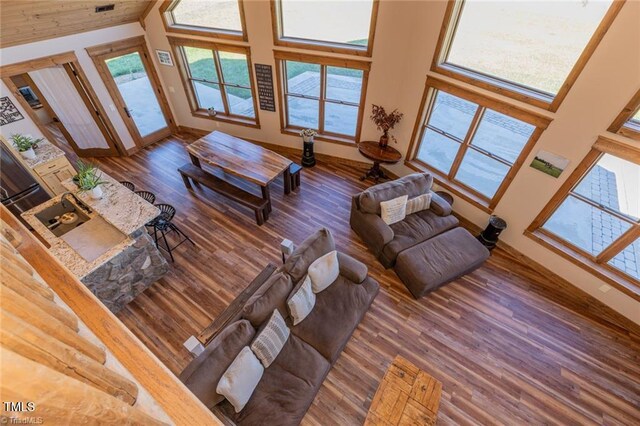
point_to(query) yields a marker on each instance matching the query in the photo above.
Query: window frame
(324, 62)
(621, 124)
(596, 265)
(506, 88)
(280, 40)
(185, 76)
(432, 86)
(171, 26)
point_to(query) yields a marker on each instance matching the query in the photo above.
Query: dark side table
(373, 151)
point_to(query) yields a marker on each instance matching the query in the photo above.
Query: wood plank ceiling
(26, 21)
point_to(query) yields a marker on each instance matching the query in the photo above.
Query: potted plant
(308, 134)
(385, 122)
(25, 145)
(88, 179)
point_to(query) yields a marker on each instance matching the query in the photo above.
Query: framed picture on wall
(8, 111)
(164, 57)
(549, 163)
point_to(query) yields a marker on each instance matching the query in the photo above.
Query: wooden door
(134, 85)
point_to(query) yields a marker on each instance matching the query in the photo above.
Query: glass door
(134, 85)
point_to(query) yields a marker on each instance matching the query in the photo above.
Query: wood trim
(176, 44)
(511, 90)
(423, 111)
(473, 126)
(619, 149)
(174, 398)
(529, 117)
(322, 60)
(612, 277)
(328, 47)
(627, 112)
(36, 64)
(171, 27)
(620, 244)
(146, 13)
(138, 44)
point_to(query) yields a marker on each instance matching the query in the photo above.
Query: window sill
(200, 31)
(443, 181)
(606, 273)
(323, 46)
(321, 137)
(495, 85)
(227, 119)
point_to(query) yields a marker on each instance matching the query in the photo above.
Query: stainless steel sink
(62, 217)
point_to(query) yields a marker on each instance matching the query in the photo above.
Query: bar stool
(149, 197)
(129, 185)
(164, 225)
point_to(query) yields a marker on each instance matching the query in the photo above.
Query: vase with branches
(385, 122)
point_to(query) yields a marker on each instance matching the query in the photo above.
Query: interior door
(134, 86)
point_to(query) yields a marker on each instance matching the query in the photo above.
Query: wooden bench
(293, 182)
(226, 189)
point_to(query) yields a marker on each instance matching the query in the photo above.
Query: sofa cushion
(271, 295)
(238, 383)
(286, 389)
(433, 263)
(318, 244)
(203, 373)
(323, 271)
(394, 210)
(270, 339)
(301, 301)
(414, 229)
(337, 312)
(412, 185)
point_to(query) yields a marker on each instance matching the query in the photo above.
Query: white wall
(405, 41)
(76, 43)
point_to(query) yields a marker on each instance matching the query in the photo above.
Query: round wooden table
(372, 151)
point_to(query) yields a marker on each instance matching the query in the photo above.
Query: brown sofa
(427, 249)
(289, 385)
(388, 241)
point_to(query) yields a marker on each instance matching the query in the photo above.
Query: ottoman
(439, 260)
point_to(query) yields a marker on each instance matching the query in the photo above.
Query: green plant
(23, 143)
(88, 176)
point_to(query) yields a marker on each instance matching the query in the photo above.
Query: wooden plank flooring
(510, 345)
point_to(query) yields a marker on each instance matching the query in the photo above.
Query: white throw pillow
(419, 203)
(323, 271)
(395, 210)
(269, 342)
(241, 378)
(302, 301)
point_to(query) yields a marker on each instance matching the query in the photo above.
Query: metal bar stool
(149, 197)
(129, 185)
(163, 225)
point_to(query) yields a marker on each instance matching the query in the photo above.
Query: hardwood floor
(510, 345)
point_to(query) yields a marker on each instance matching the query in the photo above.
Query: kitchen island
(106, 244)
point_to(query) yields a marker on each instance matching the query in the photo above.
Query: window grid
(322, 99)
(172, 25)
(221, 84)
(465, 145)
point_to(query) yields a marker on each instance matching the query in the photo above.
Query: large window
(628, 121)
(525, 49)
(218, 80)
(218, 18)
(344, 26)
(472, 145)
(595, 217)
(324, 94)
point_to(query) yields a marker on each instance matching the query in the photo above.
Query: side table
(373, 151)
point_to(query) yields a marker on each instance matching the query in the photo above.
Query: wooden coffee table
(406, 396)
(386, 155)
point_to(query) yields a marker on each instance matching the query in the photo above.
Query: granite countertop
(45, 152)
(118, 206)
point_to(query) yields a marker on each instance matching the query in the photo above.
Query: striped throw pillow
(419, 203)
(302, 301)
(269, 342)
